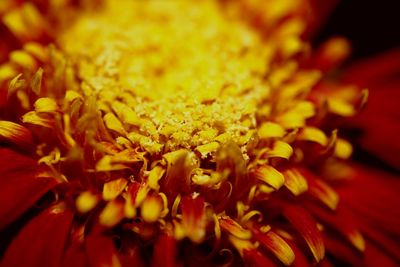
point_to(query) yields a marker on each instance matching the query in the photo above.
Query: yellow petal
(7, 71)
(206, 149)
(16, 134)
(343, 149)
(37, 50)
(154, 176)
(23, 59)
(314, 135)
(112, 213)
(36, 83)
(295, 182)
(126, 113)
(45, 104)
(270, 176)
(113, 123)
(34, 118)
(151, 209)
(281, 149)
(113, 188)
(357, 240)
(277, 246)
(86, 201)
(234, 228)
(340, 107)
(270, 130)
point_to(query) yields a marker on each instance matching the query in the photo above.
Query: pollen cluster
(168, 81)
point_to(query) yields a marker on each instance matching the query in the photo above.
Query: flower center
(170, 74)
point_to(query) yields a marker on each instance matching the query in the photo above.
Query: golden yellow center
(174, 73)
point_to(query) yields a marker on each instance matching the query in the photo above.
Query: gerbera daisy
(174, 133)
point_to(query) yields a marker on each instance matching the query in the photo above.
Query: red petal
(380, 121)
(254, 258)
(13, 161)
(19, 188)
(342, 221)
(372, 196)
(193, 217)
(374, 257)
(165, 252)
(131, 250)
(307, 227)
(378, 70)
(101, 252)
(180, 163)
(381, 117)
(277, 246)
(41, 242)
(330, 54)
(300, 260)
(342, 251)
(75, 256)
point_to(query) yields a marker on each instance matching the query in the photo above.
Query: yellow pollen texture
(171, 74)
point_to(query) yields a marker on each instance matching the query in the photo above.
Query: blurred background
(372, 26)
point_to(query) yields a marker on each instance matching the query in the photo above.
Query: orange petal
(295, 182)
(234, 228)
(49, 232)
(307, 227)
(321, 190)
(113, 188)
(277, 246)
(15, 134)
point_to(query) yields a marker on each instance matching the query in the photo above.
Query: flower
(168, 133)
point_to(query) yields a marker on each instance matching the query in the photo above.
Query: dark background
(372, 26)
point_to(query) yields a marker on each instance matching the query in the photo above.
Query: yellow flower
(170, 133)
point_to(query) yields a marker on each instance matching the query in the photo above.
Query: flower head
(168, 133)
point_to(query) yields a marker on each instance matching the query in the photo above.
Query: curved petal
(306, 225)
(381, 118)
(41, 242)
(372, 195)
(19, 186)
